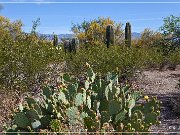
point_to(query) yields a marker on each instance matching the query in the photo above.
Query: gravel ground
(163, 84)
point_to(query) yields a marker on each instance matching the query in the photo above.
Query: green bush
(125, 59)
(174, 57)
(25, 58)
(22, 64)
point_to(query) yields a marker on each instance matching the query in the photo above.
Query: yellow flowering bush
(94, 31)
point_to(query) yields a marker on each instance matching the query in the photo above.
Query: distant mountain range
(136, 35)
(50, 36)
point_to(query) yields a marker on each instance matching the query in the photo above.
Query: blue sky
(59, 17)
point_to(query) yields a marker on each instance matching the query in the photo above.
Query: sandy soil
(163, 84)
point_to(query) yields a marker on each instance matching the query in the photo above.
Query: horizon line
(88, 2)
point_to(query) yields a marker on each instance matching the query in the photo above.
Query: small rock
(177, 67)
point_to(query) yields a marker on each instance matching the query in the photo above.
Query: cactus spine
(55, 40)
(128, 34)
(109, 35)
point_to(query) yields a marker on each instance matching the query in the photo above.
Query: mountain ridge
(50, 36)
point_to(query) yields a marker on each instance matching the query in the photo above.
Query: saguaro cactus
(128, 34)
(109, 35)
(55, 40)
(66, 44)
(74, 45)
(71, 45)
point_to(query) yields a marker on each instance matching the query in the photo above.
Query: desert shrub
(24, 57)
(174, 58)
(94, 31)
(125, 59)
(148, 38)
(171, 33)
(96, 104)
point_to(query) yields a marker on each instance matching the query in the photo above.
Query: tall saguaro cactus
(109, 35)
(128, 34)
(74, 44)
(55, 40)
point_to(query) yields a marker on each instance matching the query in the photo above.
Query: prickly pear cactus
(99, 102)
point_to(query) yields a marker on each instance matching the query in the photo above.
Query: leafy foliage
(121, 58)
(149, 38)
(24, 57)
(94, 32)
(171, 26)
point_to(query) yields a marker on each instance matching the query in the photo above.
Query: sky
(58, 17)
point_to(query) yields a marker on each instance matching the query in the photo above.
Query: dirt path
(163, 84)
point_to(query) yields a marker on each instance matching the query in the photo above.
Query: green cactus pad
(131, 104)
(120, 116)
(114, 107)
(32, 115)
(66, 77)
(136, 95)
(107, 92)
(86, 84)
(89, 102)
(36, 124)
(112, 77)
(89, 122)
(94, 87)
(72, 114)
(38, 109)
(21, 107)
(49, 107)
(79, 99)
(108, 76)
(151, 118)
(104, 105)
(95, 105)
(45, 121)
(139, 114)
(30, 101)
(91, 74)
(21, 120)
(118, 90)
(72, 88)
(84, 97)
(126, 89)
(47, 92)
(82, 116)
(110, 85)
(105, 116)
(62, 97)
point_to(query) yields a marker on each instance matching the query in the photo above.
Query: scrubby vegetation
(97, 102)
